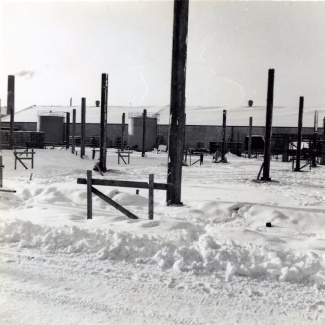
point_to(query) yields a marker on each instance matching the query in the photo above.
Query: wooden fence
(151, 186)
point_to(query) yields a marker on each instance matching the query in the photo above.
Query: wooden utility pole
(11, 108)
(144, 132)
(0, 127)
(73, 143)
(123, 132)
(223, 143)
(268, 127)
(177, 101)
(103, 123)
(299, 140)
(67, 130)
(250, 131)
(83, 127)
(314, 154)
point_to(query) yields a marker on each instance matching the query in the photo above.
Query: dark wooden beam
(103, 123)
(114, 204)
(223, 142)
(123, 132)
(144, 132)
(268, 127)
(300, 118)
(83, 127)
(67, 130)
(73, 143)
(250, 137)
(177, 101)
(11, 108)
(116, 183)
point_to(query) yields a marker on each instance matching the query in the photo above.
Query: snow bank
(198, 256)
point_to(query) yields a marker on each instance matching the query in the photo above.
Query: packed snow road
(58, 289)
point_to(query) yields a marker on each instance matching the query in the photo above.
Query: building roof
(195, 115)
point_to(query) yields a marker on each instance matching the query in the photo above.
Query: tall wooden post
(123, 132)
(144, 132)
(103, 123)
(11, 108)
(223, 143)
(67, 130)
(0, 123)
(299, 140)
(83, 127)
(1, 166)
(250, 131)
(268, 127)
(177, 101)
(314, 154)
(73, 143)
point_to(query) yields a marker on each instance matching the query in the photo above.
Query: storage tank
(135, 131)
(52, 124)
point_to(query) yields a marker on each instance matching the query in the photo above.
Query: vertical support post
(89, 195)
(118, 155)
(73, 143)
(299, 140)
(11, 108)
(151, 193)
(83, 127)
(1, 174)
(67, 130)
(223, 143)
(250, 131)
(71, 101)
(0, 123)
(144, 132)
(103, 123)
(268, 127)
(177, 102)
(123, 132)
(315, 140)
(184, 147)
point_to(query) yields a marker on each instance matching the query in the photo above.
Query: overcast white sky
(59, 50)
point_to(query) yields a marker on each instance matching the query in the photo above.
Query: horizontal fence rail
(151, 186)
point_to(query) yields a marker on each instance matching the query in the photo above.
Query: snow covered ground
(211, 261)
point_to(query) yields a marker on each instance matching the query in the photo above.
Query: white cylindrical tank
(135, 131)
(52, 126)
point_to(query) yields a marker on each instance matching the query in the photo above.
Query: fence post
(89, 196)
(151, 190)
(32, 158)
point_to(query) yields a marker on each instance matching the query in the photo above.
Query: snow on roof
(195, 115)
